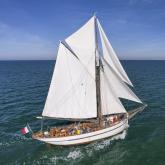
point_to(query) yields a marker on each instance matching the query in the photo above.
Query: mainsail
(73, 89)
(72, 92)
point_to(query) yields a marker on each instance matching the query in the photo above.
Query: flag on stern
(26, 130)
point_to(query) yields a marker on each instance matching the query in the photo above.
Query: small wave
(15, 138)
(102, 145)
(120, 136)
(105, 143)
(6, 144)
(75, 154)
(79, 153)
(60, 156)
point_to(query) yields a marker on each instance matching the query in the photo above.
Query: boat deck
(79, 128)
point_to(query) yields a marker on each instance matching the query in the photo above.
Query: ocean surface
(23, 90)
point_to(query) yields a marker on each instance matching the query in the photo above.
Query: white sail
(119, 88)
(72, 92)
(111, 57)
(83, 44)
(110, 104)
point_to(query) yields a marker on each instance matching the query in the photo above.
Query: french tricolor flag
(26, 129)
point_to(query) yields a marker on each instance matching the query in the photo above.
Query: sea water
(23, 90)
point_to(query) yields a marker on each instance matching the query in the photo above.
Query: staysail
(72, 92)
(117, 88)
(120, 89)
(110, 103)
(111, 57)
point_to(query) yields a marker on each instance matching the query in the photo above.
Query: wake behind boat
(86, 85)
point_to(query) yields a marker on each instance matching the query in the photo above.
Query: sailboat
(87, 84)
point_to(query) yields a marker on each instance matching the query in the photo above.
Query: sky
(31, 29)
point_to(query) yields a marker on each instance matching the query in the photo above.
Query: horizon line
(55, 60)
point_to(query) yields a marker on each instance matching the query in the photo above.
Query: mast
(97, 69)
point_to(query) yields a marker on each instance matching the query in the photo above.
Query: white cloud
(152, 49)
(132, 2)
(19, 44)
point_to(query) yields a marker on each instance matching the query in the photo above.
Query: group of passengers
(74, 129)
(82, 128)
(113, 119)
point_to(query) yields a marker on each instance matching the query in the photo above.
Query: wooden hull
(87, 137)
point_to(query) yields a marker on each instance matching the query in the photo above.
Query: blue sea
(23, 90)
